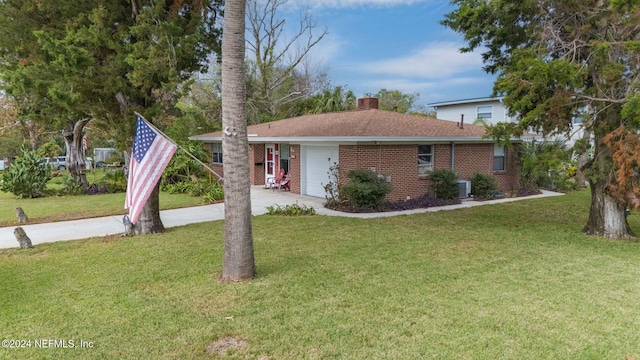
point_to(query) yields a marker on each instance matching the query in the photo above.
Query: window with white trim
(284, 157)
(425, 159)
(499, 158)
(216, 149)
(485, 112)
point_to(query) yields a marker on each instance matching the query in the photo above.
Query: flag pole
(180, 147)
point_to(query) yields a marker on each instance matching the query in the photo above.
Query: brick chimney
(367, 102)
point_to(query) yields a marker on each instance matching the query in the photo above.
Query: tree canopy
(557, 59)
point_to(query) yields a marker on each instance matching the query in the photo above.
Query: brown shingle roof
(361, 123)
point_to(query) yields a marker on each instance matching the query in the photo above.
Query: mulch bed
(422, 202)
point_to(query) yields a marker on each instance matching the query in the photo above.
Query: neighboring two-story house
(492, 110)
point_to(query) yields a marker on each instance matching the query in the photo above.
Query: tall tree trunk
(607, 217)
(238, 262)
(149, 221)
(72, 135)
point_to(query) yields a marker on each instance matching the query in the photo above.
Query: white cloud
(437, 60)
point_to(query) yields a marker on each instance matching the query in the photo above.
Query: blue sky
(397, 45)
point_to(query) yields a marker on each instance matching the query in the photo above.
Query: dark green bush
(482, 185)
(365, 189)
(444, 183)
(209, 190)
(114, 181)
(184, 168)
(27, 177)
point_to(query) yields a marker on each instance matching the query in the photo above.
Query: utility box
(464, 189)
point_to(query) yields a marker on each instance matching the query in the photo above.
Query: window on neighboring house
(485, 112)
(576, 120)
(425, 159)
(217, 152)
(499, 158)
(284, 157)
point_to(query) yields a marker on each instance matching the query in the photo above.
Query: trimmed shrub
(444, 183)
(365, 189)
(482, 185)
(290, 210)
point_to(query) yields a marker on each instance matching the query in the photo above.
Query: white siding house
(492, 111)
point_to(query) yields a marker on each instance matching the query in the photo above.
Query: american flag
(151, 154)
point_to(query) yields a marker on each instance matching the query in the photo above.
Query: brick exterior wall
(472, 158)
(256, 161)
(510, 178)
(294, 168)
(400, 163)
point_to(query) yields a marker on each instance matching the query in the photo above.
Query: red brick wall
(294, 168)
(256, 161)
(400, 162)
(472, 158)
(510, 178)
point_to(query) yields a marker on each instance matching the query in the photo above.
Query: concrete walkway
(260, 199)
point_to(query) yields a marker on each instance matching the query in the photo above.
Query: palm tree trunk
(238, 262)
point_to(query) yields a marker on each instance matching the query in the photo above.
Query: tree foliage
(396, 100)
(279, 74)
(331, 100)
(557, 59)
(69, 62)
(540, 162)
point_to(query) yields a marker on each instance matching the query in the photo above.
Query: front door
(270, 163)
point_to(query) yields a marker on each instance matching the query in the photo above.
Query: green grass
(60, 208)
(508, 281)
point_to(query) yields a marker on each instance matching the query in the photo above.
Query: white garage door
(317, 161)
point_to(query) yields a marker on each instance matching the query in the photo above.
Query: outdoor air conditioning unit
(464, 189)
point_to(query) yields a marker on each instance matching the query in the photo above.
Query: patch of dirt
(221, 346)
(111, 238)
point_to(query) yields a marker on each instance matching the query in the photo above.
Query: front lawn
(60, 208)
(502, 281)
